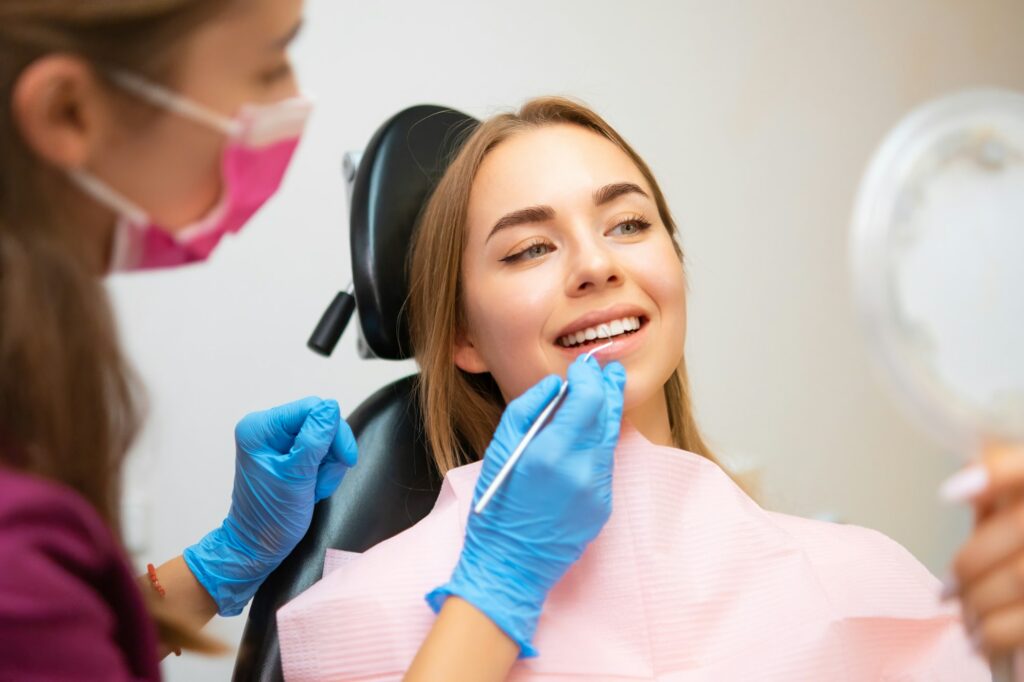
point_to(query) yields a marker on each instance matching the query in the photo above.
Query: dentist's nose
(592, 268)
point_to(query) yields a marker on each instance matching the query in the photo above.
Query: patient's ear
(466, 356)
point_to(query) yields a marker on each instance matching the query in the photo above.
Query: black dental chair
(395, 483)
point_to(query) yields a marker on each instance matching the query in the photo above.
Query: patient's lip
(597, 317)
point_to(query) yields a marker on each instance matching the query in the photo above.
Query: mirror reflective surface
(938, 264)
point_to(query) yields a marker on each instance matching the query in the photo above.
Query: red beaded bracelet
(155, 582)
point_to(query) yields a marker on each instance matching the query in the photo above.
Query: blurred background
(758, 118)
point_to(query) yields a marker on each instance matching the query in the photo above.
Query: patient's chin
(644, 401)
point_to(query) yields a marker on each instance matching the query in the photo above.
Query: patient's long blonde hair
(461, 410)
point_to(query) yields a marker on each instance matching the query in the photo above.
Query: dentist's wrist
(511, 600)
(227, 569)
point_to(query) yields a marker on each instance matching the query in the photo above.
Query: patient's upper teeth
(601, 331)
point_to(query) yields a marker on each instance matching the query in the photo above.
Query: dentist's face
(563, 236)
(172, 166)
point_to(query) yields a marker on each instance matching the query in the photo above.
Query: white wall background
(757, 117)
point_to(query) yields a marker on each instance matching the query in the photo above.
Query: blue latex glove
(551, 506)
(286, 459)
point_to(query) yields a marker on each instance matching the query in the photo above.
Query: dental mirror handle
(506, 469)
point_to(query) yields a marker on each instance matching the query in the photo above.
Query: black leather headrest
(399, 169)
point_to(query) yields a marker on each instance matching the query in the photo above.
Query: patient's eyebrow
(616, 190)
(539, 214)
(533, 214)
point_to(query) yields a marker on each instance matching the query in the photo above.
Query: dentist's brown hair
(461, 410)
(69, 402)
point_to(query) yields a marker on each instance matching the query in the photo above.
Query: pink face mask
(261, 142)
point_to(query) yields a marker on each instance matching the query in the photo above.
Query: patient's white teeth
(602, 331)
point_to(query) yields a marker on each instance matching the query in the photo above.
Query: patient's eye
(529, 252)
(630, 227)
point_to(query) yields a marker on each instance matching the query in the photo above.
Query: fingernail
(950, 588)
(964, 485)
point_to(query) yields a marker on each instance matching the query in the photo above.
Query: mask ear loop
(172, 101)
(103, 193)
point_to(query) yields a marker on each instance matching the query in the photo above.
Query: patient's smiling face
(563, 234)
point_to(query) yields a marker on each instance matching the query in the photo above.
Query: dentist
(135, 134)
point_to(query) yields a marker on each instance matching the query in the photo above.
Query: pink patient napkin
(689, 580)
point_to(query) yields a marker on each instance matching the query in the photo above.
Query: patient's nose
(592, 267)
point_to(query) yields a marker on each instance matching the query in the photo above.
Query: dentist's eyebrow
(524, 216)
(616, 190)
(284, 41)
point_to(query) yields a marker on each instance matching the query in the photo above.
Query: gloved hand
(551, 506)
(286, 459)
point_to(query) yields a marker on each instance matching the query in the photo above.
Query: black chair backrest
(395, 483)
(399, 169)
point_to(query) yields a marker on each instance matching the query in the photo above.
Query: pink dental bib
(689, 580)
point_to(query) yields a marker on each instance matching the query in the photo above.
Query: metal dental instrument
(534, 428)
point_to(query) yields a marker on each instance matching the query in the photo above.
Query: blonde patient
(539, 231)
(546, 226)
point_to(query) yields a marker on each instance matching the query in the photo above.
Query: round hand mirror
(938, 264)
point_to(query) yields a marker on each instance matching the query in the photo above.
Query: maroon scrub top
(69, 605)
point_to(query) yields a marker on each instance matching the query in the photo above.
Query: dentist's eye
(278, 73)
(529, 252)
(630, 227)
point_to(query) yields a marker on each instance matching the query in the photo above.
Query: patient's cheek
(507, 335)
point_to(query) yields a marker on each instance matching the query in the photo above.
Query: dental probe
(534, 428)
